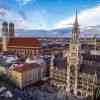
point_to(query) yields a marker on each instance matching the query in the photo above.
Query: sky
(49, 14)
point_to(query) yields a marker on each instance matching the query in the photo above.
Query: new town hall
(74, 74)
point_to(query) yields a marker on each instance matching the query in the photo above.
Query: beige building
(2, 70)
(72, 76)
(26, 74)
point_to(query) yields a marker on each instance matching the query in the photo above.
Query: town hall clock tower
(73, 59)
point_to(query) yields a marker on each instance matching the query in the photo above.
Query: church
(72, 74)
(21, 46)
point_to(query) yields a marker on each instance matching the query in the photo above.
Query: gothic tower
(11, 30)
(4, 36)
(73, 59)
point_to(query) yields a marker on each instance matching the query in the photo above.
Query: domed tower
(11, 30)
(4, 36)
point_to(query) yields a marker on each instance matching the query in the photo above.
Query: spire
(76, 19)
(76, 30)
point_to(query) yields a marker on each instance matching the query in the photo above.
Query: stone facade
(70, 77)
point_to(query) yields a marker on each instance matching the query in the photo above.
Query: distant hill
(44, 33)
(63, 32)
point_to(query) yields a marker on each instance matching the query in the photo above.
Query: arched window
(72, 91)
(79, 93)
(72, 68)
(97, 94)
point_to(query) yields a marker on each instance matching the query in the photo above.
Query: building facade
(75, 80)
(27, 74)
(22, 46)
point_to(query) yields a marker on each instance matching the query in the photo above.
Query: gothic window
(79, 93)
(72, 68)
(72, 91)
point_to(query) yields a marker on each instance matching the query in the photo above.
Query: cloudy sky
(49, 14)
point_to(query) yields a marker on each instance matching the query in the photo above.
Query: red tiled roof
(26, 67)
(27, 42)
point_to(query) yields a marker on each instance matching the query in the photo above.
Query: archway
(97, 94)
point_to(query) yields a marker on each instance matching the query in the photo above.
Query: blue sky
(46, 14)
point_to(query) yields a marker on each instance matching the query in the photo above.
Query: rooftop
(26, 67)
(26, 41)
(90, 57)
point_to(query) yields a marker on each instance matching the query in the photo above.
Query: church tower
(4, 36)
(73, 59)
(11, 30)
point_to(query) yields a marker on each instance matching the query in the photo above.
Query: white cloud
(38, 17)
(13, 16)
(88, 17)
(24, 2)
(36, 22)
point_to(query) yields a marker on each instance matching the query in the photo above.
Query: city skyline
(49, 14)
(50, 49)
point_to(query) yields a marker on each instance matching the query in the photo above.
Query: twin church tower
(8, 31)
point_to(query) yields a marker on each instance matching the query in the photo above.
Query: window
(72, 68)
(73, 54)
(79, 93)
(72, 91)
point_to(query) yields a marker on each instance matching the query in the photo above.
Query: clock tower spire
(73, 58)
(75, 30)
